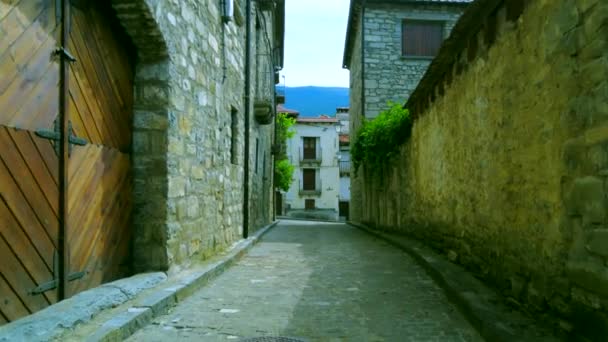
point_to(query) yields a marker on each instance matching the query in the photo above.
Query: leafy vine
(379, 139)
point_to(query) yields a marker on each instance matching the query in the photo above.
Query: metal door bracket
(52, 284)
(64, 53)
(49, 285)
(55, 136)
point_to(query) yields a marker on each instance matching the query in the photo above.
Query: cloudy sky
(314, 42)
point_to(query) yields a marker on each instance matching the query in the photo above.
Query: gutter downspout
(273, 154)
(363, 217)
(247, 121)
(273, 185)
(363, 58)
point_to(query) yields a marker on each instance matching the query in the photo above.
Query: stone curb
(484, 308)
(56, 321)
(287, 218)
(157, 303)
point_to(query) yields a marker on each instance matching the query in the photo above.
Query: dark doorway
(343, 209)
(309, 204)
(279, 203)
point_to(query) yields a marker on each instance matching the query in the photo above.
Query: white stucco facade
(342, 114)
(326, 191)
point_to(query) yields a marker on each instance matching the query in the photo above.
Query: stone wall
(388, 75)
(260, 164)
(381, 69)
(356, 117)
(188, 187)
(506, 168)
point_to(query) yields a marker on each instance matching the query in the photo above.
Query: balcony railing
(315, 192)
(317, 159)
(345, 167)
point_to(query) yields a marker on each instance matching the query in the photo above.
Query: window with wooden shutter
(310, 147)
(309, 204)
(309, 178)
(421, 38)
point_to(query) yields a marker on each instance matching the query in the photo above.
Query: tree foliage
(283, 170)
(379, 139)
(283, 173)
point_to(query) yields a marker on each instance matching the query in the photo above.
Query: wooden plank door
(99, 173)
(98, 108)
(29, 165)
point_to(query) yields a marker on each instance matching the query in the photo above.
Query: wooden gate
(64, 207)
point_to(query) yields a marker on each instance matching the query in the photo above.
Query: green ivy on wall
(379, 139)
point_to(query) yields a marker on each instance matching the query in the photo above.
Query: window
(257, 152)
(308, 179)
(309, 204)
(421, 38)
(234, 135)
(310, 147)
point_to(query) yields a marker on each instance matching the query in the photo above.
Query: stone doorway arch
(150, 123)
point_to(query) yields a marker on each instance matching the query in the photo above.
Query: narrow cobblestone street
(318, 282)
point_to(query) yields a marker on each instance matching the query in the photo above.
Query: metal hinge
(52, 284)
(49, 285)
(64, 53)
(55, 135)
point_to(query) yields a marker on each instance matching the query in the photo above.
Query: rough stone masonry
(188, 148)
(379, 73)
(506, 169)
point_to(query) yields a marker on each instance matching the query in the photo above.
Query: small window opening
(234, 134)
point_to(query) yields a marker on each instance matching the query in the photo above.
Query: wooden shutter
(309, 179)
(310, 150)
(422, 38)
(309, 204)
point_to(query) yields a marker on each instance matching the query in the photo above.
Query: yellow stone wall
(508, 168)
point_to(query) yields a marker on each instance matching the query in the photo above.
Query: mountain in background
(314, 101)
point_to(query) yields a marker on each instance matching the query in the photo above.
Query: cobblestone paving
(318, 282)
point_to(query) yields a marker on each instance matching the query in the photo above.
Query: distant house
(344, 161)
(292, 113)
(389, 45)
(313, 150)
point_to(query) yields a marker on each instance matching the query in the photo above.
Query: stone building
(170, 108)
(506, 167)
(212, 94)
(389, 45)
(313, 150)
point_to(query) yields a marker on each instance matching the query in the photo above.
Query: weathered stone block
(594, 72)
(140, 142)
(597, 241)
(176, 187)
(587, 198)
(157, 142)
(589, 275)
(594, 49)
(154, 94)
(150, 120)
(597, 17)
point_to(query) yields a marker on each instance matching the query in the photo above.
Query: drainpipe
(362, 181)
(247, 121)
(274, 156)
(363, 58)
